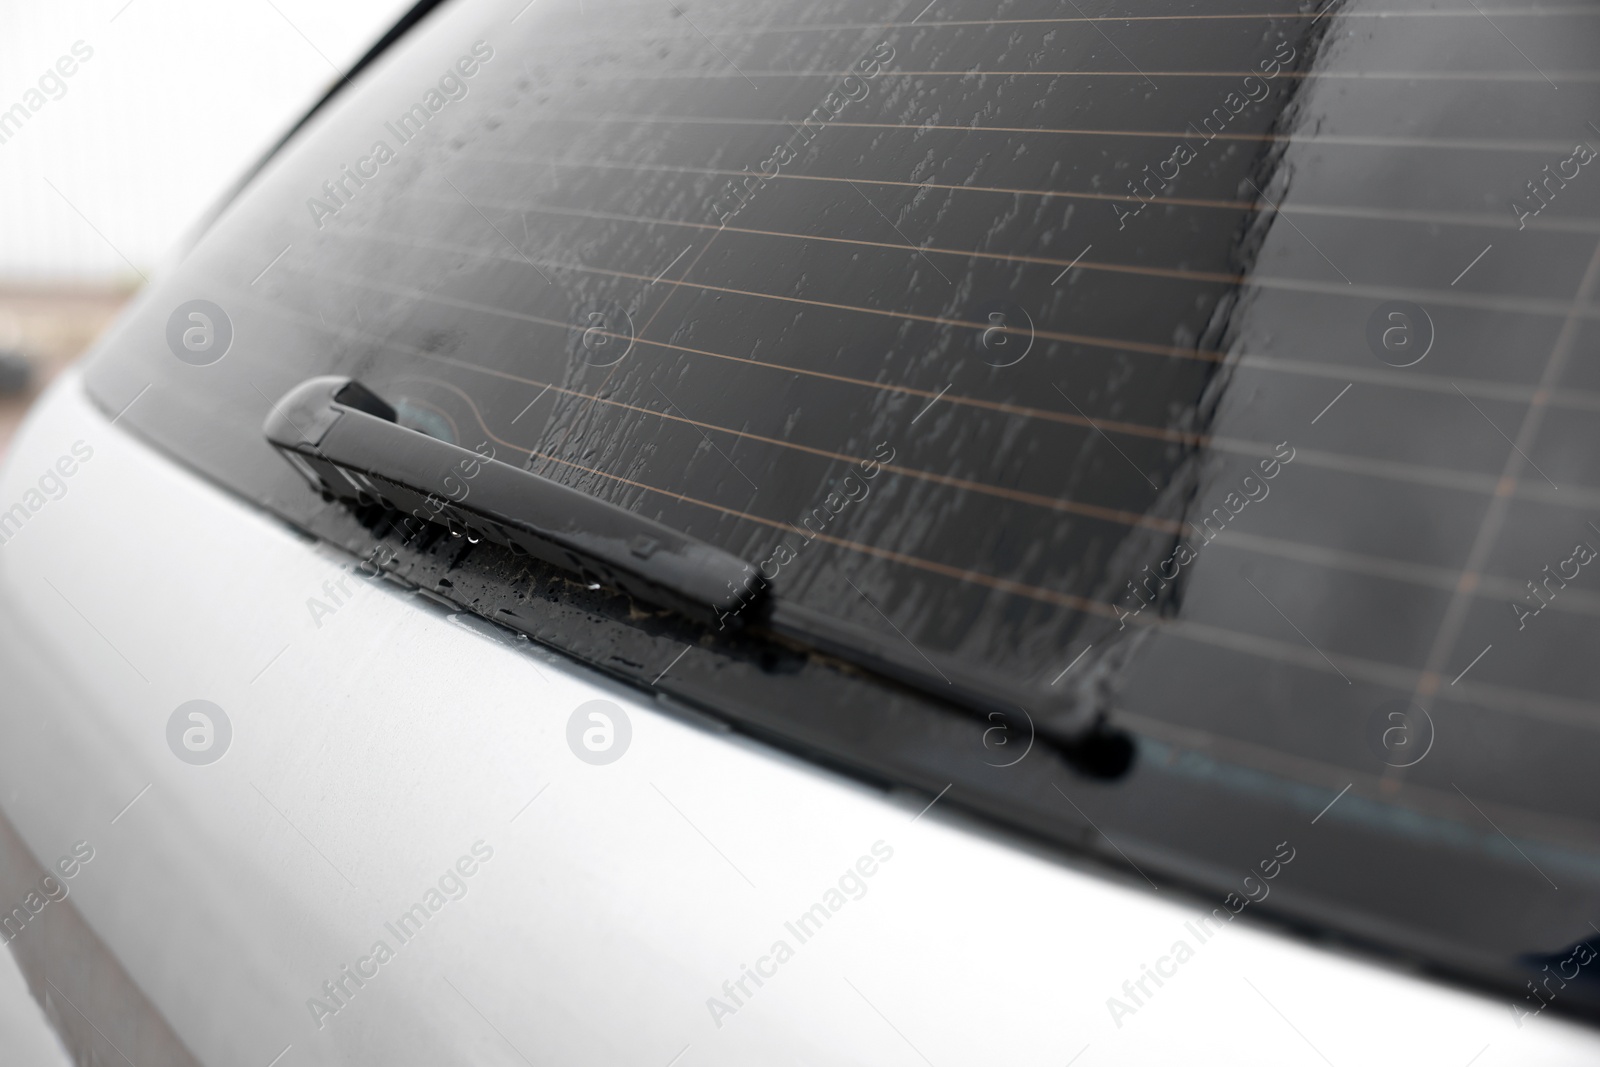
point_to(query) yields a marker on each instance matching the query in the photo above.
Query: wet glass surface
(1231, 367)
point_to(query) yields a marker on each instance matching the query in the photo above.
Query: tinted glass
(1226, 369)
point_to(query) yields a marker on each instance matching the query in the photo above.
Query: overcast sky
(176, 98)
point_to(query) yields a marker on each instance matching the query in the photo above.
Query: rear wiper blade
(344, 439)
(347, 443)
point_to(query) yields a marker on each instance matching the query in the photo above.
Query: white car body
(374, 747)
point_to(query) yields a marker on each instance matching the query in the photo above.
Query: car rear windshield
(1226, 368)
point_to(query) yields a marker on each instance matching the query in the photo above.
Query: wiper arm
(344, 439)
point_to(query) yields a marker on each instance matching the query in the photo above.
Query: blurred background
(103, 171)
